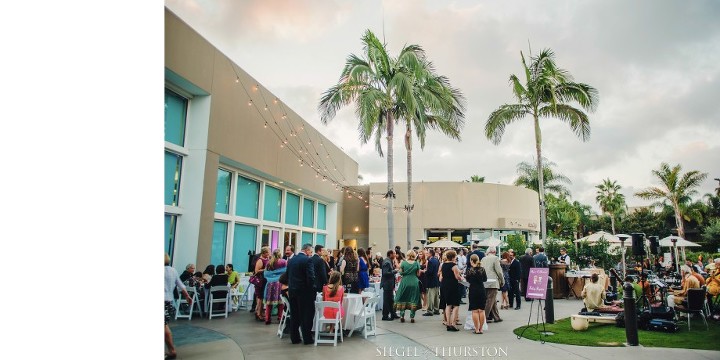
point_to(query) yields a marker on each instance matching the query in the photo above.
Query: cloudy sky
(656, 65)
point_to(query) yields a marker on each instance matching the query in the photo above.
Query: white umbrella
(444, 244)
(680, 242)
(593, 238)
(490, 242)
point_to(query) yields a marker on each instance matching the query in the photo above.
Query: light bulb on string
(265, 126)
(256, 87)
(275, 101)
(284, 116)
(250, 103)
(265, 108)
(237, 79)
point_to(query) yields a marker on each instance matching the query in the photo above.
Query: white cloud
(656, 65)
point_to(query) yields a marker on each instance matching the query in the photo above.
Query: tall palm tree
(382, 88)
(552, 180)
(547, 93)
(676, 190)
(477, 179)
(437, 106)
(610, 199)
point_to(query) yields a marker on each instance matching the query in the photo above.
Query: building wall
(229, 133)
(452, 205)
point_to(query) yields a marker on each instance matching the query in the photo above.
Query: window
(307, 238)
(222, 192)
(175, 129)
(273, 200)
(308, 213)
(320, 239)
(175, 114)
(292, 209)
(246, 198)
(321, 217)
(243, 242)
(219, 241)
(173, 165)
(170, 222)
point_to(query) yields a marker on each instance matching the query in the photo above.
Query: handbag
(256, 280)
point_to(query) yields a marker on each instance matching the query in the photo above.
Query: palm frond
(576, 118)
(501, 118)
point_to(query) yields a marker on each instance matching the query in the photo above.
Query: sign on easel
(537, 283)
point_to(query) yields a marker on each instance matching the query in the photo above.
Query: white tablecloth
(352, 306)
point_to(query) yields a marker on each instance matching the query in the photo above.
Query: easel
(538, 316)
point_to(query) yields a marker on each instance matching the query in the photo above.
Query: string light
(237, 79)
(266, 108)
(256, 87)
(250, 103)
(265, 126)
(275, 101)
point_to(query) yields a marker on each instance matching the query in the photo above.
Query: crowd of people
(431, 280)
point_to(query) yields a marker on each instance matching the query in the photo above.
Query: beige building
(459, 211)
(242, 171)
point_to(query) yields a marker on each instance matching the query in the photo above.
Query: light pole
(675, 253)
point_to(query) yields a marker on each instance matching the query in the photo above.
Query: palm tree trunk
(390, 193)
(541, 188)
(408, 147)
(612, 222)
(679, 220)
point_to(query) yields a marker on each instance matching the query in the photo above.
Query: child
(333, 291)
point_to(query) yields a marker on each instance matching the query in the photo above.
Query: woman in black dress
(476, 296)
(450, 277)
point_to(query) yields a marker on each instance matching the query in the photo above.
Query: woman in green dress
(407, 296)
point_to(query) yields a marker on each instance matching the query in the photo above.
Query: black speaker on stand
(654, 245)
(638, 244)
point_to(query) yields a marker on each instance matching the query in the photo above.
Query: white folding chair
(214, 299)
(367, 316)
(191, 308)
(241, 293)
(321, 320)
(285, 316)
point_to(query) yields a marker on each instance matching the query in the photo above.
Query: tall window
(272, 205)
(292, 209)
(247, 197)
(175, 116)
(321, 239)
(173, 165)
(243, 242)
(308, 213)
(307, 238)
(170, 222)
(222, 192)
(219, 242)
(321, 223)
(175, 128)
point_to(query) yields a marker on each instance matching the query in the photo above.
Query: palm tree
(382, 89)
(547, 92)
(477, 179)
(676, 190)
(438, 106)
(528, 177)
(610, 199)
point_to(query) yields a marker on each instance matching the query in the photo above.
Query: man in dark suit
(301, 293)
(387, 283)
(515, 274)
(476, 251)
(433, 284)
(526, 262)
(320, 268)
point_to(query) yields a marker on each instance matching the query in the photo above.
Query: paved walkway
(241, 337)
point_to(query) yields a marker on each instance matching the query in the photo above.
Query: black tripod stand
(538, 317)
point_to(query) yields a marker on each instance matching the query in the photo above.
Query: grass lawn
(610, 335)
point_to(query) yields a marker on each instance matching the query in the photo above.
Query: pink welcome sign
(537, 283)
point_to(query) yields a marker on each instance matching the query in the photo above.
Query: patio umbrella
(679, 242)
(490, 242)
(593, 238)
(444, 244)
